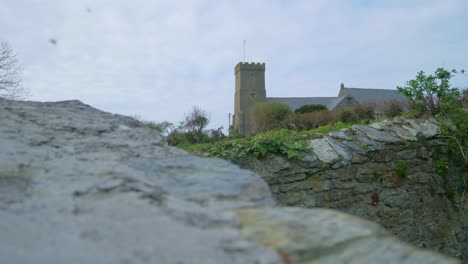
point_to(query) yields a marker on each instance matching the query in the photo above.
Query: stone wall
(386, 173)
(79, 185)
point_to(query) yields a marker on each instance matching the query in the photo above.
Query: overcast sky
(157, 59)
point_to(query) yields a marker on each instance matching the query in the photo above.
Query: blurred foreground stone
(78, 185)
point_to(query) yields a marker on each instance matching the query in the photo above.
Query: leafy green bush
(269, 116)
(311, 108)
(431, 92)
(283, 142)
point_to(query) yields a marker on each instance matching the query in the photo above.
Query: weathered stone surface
(324, 151)
(377, 135)
(78, 185)
(407, 154)
(340, 135)
(355, 147)
(100, 188)
(340, 148)
(367, 143)
(394, 126)
(424, 129)
(357, 240)
(391, 179)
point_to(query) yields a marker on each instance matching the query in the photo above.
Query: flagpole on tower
(244, 51)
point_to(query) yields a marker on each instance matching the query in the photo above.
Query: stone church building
(250, 89)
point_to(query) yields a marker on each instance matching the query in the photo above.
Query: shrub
(269, 116)
(308, 121)
(163, 127)
(393, 108)
(364, 111)
(176, 137)
(216, 134)
(190, 131)
(431, 92)
(311, 108)
(197, 120)
(181, 137)
(346, 116)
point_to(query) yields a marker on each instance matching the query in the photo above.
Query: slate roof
(363, 95)
(296, 102)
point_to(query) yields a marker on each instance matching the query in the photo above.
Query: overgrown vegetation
(283, 142)
(280, 118)
(277, 130)
(269, 116)
(433, 94)
(288, 143)
(190, 131)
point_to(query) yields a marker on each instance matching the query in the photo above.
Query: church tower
(250, 89)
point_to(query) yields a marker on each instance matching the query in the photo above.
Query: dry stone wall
(387, 173)
(79, 185)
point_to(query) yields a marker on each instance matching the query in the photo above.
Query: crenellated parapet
(250, 66)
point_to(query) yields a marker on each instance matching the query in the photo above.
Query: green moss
(442, 167)
(401, 169)
(316, 182)
(408, 144)
(364, 146)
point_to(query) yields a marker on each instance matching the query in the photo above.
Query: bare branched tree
(10, 74)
